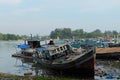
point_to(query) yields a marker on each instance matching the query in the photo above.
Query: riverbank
(107, 69)
(7, 76)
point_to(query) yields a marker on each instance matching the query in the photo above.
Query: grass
(6, 76)
(116, 64)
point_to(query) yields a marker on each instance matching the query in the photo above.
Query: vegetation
(10, 37)
(116, 64)
(67, 33)
(22, 37)
(5, 76)
(64, 33)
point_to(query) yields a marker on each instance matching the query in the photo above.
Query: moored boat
(27, 50)
(64, 57)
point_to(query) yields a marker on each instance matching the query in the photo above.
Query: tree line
(10, 37)
(67, 33)
(64, 33)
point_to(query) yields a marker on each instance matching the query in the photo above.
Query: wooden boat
(108, 53)
(107, 50)
(27, 50)
(64, 57)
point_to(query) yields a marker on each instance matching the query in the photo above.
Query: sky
(25, 17)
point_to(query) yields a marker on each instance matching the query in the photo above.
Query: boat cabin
(51, 42)
(33, 43)
(53, 52)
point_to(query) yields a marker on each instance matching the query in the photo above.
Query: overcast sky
(43, 16)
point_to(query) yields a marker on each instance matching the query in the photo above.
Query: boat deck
(71, 57)
(108, 53)
(68, 58)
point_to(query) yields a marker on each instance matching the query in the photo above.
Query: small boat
(27, 50)
(64, 57)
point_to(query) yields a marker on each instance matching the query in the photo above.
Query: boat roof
(56, 46)
(23, 46)
(50, 47)
(41, 48)
(32, 40)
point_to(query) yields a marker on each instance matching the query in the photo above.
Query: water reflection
(21, 66)
(25, 65)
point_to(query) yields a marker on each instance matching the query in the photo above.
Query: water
(7, 63)
(17, 66)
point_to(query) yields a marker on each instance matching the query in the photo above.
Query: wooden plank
(108, 50)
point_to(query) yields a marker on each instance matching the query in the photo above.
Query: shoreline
(7, 76)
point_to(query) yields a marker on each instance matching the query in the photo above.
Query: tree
(79, 33)
(114, 32)
(61, 33)
(108, 33)
(1, 36)
(96, 33)
(66, 33)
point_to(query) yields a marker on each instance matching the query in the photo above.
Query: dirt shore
(5, 74)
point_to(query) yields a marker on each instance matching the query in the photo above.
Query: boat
(27, 49)
(65, 58)
(107, 50)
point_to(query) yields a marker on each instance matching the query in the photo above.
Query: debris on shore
(103, 72)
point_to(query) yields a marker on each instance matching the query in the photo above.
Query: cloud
(10, 2)
(25, 11)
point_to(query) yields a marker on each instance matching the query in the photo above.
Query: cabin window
(61, 48)
(58, 49)
(64, 47)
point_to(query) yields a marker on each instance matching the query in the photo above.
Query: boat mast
(31, 36)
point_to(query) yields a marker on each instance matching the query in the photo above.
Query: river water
(7, 63)
(17, 66)
(20, 66)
